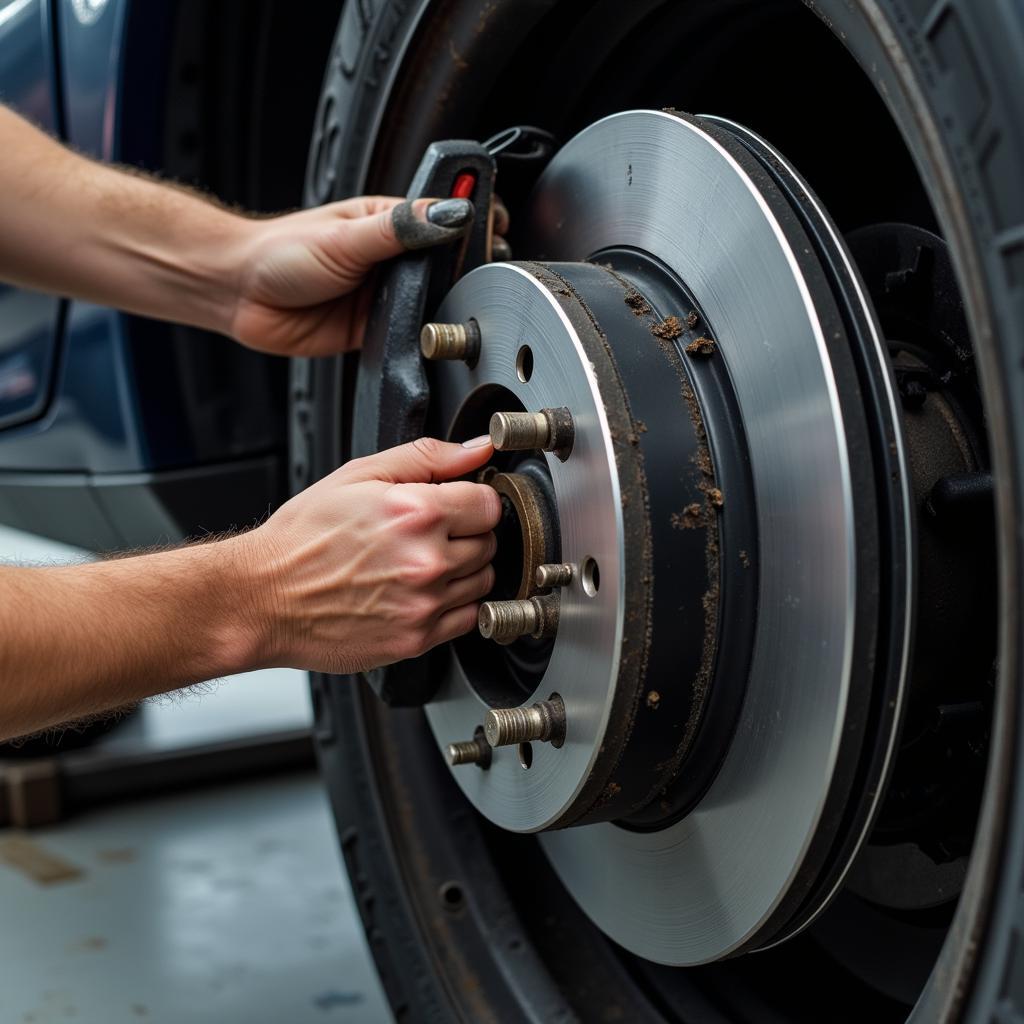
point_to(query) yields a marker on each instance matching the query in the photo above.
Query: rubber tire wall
(952, 76)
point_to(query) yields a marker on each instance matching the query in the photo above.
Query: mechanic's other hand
(379, 561)
(304, 287)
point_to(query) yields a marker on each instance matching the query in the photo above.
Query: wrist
(251, 635)
(238, 632)
(216, 265)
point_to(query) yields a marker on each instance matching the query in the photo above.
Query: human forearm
(375, 563)
(80, 640)
(77, 227)
(297, 284)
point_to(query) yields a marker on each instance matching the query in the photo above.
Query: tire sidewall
(952, 76)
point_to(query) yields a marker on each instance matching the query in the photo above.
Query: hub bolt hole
(452, 896)
(526, 754)
(590, 576)
(524, 363)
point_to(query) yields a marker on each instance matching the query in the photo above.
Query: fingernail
(450, 213)
(500, 250)
(418, 230)
(477, 442)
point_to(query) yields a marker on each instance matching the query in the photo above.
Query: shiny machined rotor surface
(716, 881)
(703, 887)
(513, 310)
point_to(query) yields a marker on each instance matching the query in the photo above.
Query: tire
(915, 111)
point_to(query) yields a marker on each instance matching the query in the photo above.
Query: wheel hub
(730, 688)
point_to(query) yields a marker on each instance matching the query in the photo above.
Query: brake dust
(637, 303)
(701, 346)
(689, 519)
(669, 328)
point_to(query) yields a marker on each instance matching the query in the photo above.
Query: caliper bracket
(392, 391)
(391, 372)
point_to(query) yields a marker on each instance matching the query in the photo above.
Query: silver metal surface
(699, 889)
(505, 621)
(450, 341)
(895, 412)
(543, 721)
(513, 309)
(559, 575)
(520, 431)
(474, 751)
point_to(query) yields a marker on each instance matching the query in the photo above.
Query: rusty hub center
(526, 505)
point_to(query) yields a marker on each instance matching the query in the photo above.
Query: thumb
(423, 461)
(417, 224)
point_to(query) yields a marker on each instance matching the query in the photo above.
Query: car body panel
(30, 323)
(117, 426)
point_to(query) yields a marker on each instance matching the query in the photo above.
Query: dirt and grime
(702, 346)
(637, 303)
(668, 329)
(689, 518)
(625, 431)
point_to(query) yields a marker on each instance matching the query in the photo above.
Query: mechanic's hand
(304, 288)
(379, 561)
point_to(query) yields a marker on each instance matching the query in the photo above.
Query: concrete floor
(220, 905)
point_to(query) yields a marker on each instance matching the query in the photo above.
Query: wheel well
(220, 98)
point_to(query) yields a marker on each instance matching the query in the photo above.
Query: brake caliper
(392, 389)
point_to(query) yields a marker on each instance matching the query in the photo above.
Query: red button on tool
(464, 185)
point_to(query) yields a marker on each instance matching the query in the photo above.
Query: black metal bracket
(392, 392)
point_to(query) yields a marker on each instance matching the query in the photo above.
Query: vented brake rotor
(731, 650)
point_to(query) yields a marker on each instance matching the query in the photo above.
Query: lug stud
(475, 751)
(543, 721)
(506, 621)
(451, 341)
(520, 431)
(550, 575)
(550, 430)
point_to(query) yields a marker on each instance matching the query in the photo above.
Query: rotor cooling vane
(690, 676)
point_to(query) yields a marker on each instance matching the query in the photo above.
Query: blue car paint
(89, 421)
(30, 323)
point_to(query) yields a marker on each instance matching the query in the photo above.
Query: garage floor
(217, 905)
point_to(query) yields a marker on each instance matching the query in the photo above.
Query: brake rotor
(732, 685)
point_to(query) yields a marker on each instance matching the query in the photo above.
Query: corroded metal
(520, 431)
(550, 575)
(475, 751)
(450, 341)
(543, 721)
(529, 506)
(506, 621)
(550, 430)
